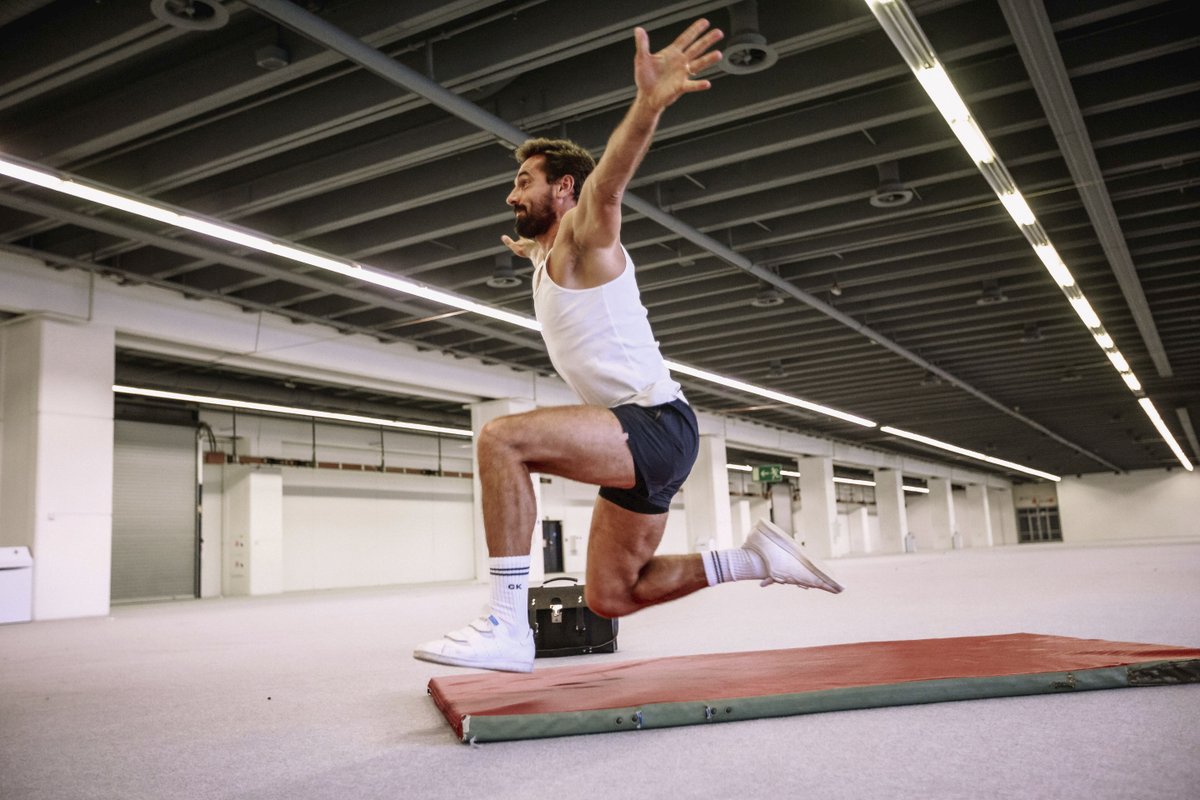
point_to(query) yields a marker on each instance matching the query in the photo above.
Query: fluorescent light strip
(248, 239)
(1017, 208)
(1152, 413)
(897, 20)
(779, 397)
(1054, 265)
(916, 437)
(294, 412)
(245, 238)
(787, 473)
(854, 481)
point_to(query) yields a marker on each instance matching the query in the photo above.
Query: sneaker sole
(451, 661)
(785, 543)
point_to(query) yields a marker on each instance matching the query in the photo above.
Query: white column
(858, 525)
(481, 414)
(977, 517)
(1004, 516)
(818, 505)
(56, 403)
(252, 530)
(941, 516)
(782, 512)
(889, 505)
(706, 498)
(741, 518)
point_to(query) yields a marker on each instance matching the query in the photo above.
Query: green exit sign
(767, 473)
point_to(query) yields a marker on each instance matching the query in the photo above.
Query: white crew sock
(510, 590)
(735, 564)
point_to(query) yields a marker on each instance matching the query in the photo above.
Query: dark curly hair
(560, 157)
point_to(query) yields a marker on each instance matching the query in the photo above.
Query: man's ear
(567, 185)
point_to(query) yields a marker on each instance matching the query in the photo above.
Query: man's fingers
(642, 40)
(705, 61)
(700, 45)
(685, 39)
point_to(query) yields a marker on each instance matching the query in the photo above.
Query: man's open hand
(663, 77)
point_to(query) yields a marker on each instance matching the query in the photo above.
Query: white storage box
(16, 584)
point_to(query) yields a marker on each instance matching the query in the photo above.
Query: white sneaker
(785, 561)
(484, 644)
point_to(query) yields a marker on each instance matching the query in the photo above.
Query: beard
(536, 220)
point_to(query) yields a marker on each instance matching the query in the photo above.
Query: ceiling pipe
(1034, 37)
(330, 36)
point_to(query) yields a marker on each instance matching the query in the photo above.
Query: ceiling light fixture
(770, 394)
(252, 240)
(901, 26)
(39, 176)
(962, 451)
(1152, 413)
(269, 408)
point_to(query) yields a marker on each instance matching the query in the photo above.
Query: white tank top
(600, 342)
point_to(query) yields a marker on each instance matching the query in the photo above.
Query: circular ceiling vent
(746, 50)
(767, 297)
(501, 281)
(191, 15)
(746, 53)
(891, 192)
(890, 195)
(503, 276)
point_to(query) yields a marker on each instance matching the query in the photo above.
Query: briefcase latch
(556, 612)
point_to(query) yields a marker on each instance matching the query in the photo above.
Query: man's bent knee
(609, 602)
(499, 433)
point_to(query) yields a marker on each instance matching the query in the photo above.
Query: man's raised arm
(662, 78)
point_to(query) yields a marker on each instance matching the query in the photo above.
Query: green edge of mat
(498, 728)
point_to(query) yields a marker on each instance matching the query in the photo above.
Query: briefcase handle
(562, 578)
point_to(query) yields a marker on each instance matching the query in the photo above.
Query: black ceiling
(780, 165)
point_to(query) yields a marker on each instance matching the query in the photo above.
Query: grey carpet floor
(315, 695)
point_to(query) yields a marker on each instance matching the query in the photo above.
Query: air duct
(746, 50)
(891, 192)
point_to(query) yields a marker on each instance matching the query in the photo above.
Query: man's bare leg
(587, 444)
(623, 574)
(584, 443)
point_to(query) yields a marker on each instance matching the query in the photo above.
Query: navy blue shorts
(663, 440)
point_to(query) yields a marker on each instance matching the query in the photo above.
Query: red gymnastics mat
(724, 687)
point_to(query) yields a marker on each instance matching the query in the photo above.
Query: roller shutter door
(154, 512)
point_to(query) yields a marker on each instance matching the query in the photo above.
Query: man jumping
(635, 436)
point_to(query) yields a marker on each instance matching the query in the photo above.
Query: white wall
(1146, 504)
(344, 529)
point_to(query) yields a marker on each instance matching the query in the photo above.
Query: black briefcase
(563, 625)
